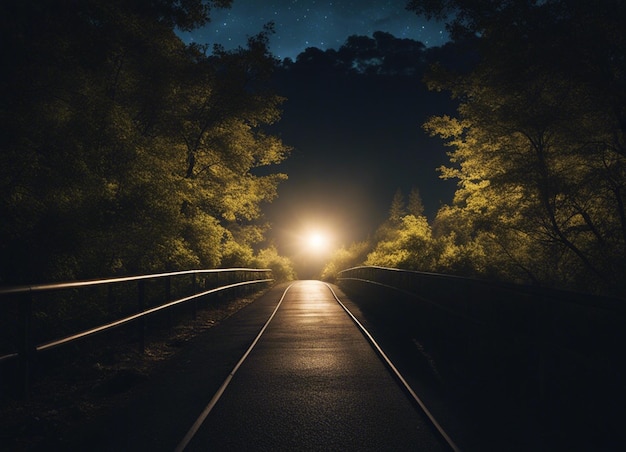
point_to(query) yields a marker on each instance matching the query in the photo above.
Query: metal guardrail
(564, 342)
(561, 320)
(27, 349)
(541, 314)
(415, 281)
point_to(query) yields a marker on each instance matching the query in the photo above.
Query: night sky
(314, 23)
(355, 140)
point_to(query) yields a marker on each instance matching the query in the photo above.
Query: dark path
(311, 383)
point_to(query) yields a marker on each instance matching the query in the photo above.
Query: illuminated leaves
(282, 267)
(345, 258)
(125, 151)
(410, 246)
(535, 148)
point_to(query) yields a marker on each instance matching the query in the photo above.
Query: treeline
(125, 151)
(538, 147)
(407, 240)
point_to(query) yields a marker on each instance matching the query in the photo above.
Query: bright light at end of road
(317, 241)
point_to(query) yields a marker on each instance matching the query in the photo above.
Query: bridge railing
(512, 308)
(40, 317)
(559, 343)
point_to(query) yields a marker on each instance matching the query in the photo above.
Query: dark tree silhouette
(122, 150)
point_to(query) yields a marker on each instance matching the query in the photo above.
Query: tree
(282, 267)
(397, 207)
(122, 149)
(345, 258)
(538, 144)
(415, 206)
(404, 240)
(225, 147)
(411, 247)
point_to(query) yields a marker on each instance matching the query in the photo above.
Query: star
(299, 23)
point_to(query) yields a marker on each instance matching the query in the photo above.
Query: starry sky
(313, 23)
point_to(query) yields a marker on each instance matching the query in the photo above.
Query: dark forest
(125, 151)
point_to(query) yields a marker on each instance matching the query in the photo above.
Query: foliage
(404, 240)
(345, 258)
(538, 142)
(123, 150)
(397, 209)
(282, 267)
(409, 246)
(415, 206)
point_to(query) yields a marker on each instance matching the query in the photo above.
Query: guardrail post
(141, 305)
(26, 346)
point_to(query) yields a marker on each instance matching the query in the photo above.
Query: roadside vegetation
(537, 147)
(123, 150)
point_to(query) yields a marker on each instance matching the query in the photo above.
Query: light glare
(317, 241)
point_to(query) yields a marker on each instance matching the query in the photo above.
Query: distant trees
(344, 258)
(404, 240)
(122, 150)
(282, 267)
(415, 206)
(382, 54)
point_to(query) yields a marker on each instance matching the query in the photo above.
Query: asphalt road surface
(312, 382)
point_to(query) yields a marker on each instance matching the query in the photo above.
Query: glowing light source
(317, 241)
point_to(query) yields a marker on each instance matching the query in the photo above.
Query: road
(312, 382)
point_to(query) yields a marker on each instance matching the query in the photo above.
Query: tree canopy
(122, 149)
(537, 145)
